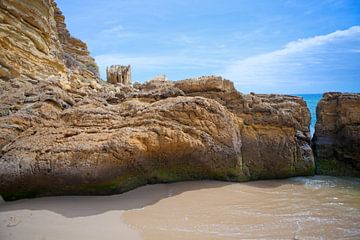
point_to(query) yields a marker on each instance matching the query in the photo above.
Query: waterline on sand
(298, 208)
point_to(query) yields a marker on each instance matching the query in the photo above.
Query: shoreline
(185, 210)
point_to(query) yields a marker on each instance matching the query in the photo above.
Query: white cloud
(155, 61)
(113, 29)
(304, 44)
(298, 63)
(117, 32)
(183, 38)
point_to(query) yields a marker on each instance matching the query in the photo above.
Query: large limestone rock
(336, 140)
(274, 128)
(99, 145)
(64, 132)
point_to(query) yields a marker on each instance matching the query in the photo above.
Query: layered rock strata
(336, 140)
(64, 132)
(75, 53)
(35, 43)
(110, 142)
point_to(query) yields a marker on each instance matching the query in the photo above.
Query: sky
(278, 46)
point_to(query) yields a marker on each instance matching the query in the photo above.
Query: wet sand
(297, 208)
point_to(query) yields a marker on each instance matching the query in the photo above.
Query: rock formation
(75, 53)
(119, 74)
(62, 131)
(35, 44)
(336, 140)
(274, 128)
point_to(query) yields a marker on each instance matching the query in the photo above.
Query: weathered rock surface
(274, 128)
(64, 132)
(75, 53)
(96, 146)
(116, 74)
(35, 43)
(336, 140)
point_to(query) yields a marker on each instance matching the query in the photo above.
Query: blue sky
(278, 46)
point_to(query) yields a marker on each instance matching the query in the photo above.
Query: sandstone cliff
(64, 132)
(36, 44)
(337, 134)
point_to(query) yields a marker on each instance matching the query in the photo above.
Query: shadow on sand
(81, 206)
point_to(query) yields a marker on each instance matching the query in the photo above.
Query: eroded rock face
(64, 132)
(35, 43)
(75, 53)
(274, 128)
(336, 140)
(98, 145)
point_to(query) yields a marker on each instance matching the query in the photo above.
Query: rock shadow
(82, 206)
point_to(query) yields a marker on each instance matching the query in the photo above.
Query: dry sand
(300, 208)
(78, 217)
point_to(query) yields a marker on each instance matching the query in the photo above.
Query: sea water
(319, 207)
(311, 101)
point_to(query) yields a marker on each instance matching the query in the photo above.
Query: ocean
(311, 101)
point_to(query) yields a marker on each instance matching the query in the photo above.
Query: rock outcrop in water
(63, 131)
(336, 140)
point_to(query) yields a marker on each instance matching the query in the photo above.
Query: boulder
(336, 141)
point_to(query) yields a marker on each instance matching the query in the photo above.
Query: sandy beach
(65, 218)
(298, 208)
(78, 217)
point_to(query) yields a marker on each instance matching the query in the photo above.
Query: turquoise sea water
(311, 101)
